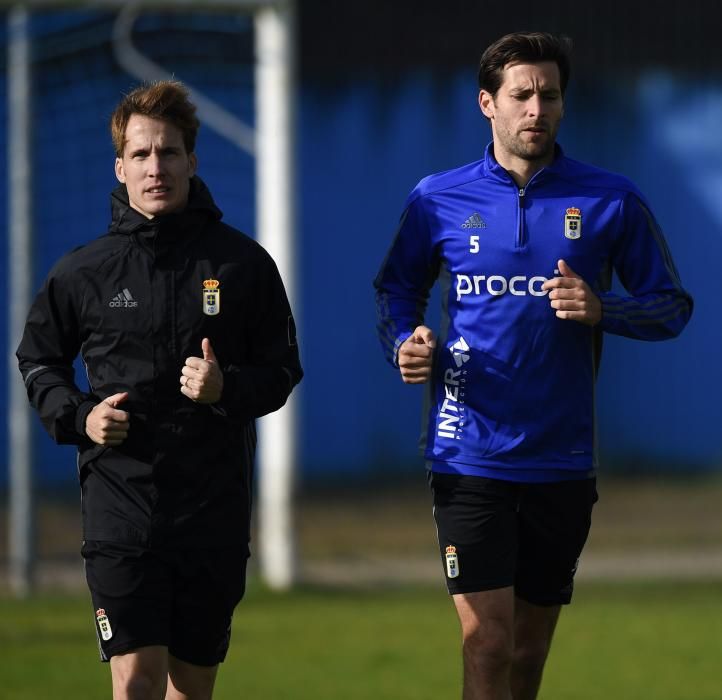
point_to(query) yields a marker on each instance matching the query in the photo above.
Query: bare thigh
(188, 681)
(141, 673)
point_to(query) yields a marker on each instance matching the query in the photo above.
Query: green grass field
(656, 641)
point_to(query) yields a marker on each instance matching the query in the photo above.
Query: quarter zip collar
(497, 172)
(501, 175)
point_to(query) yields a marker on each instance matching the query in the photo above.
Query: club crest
(211, 297)
(452, 562)
(573, 223)
(103, 624)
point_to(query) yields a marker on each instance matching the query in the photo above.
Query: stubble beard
(514, 144)
(532, 152)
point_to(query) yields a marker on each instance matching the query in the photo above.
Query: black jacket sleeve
(263, 384)
(50, 343)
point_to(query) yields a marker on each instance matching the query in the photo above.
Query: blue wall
(362, 147)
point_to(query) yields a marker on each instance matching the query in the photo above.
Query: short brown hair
(167, 100)
(524, 47)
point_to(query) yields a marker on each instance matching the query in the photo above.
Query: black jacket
(132, 304)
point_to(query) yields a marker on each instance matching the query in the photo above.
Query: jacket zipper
(520, 232)
(173, 320)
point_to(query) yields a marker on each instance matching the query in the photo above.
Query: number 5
(474, 244)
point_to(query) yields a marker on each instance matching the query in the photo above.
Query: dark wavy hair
(523, 47)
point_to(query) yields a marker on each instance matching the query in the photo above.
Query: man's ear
(192, 164)
(486, 103)
(119, 172)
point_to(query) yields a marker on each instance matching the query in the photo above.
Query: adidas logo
(460, 351)
(474, 221)
(124, 300)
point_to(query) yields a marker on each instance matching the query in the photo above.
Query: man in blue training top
(523, 243)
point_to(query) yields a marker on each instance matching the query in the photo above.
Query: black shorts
(183, 600)
(494, 534)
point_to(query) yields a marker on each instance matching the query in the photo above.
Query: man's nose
(535, 105)
(154, 164)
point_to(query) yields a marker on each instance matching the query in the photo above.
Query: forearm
(396, 319)
(61, 405)
(650, 317)
(253, 391)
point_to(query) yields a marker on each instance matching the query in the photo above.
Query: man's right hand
(416, 355)
(106, 424)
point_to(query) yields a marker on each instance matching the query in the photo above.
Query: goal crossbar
(182, 5)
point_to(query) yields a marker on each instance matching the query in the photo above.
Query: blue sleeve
(405, 279)
(657, 306)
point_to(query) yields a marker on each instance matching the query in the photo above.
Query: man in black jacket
(187, 336)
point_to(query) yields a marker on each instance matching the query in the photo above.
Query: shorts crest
(103, 624)
(452, 562)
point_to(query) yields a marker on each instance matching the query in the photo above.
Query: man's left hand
(572, 298)
(201, 378)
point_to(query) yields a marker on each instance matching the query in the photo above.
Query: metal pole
(276, 220)
(20, 275)
(210, 113)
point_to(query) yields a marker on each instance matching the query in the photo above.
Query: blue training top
(512, 393)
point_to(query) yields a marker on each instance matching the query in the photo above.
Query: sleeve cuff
(397, 345)
(81, 415)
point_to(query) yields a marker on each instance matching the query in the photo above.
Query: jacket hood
(125, 219)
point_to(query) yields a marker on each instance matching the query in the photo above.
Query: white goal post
(272, 143)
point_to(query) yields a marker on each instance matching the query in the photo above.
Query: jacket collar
(200, 208)
(496, 171)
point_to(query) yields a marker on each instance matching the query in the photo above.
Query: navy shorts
(493, 534)
(183, 600)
